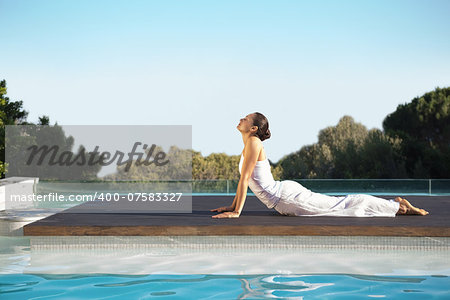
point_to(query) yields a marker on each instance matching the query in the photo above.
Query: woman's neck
(246, 137)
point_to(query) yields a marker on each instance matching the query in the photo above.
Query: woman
(291, 198)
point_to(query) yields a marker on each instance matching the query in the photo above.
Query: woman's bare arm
(253, 148)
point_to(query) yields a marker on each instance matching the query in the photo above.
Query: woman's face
(245, 123)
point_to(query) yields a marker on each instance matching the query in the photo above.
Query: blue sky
(304, 64)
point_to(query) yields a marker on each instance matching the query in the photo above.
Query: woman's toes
(424, 212)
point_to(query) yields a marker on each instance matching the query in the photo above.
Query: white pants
(297, 200)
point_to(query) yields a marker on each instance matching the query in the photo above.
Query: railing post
(429, 186)
(228, 186)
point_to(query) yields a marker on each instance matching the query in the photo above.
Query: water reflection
(265, 286)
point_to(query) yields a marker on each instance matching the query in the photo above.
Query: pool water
(204, 286)
(218, 267)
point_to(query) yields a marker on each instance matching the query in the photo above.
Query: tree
(11, 113)
(347, 150)
(424, 127)
(380, 157)
(344, 142)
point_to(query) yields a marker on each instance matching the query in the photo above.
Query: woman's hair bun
(261, 121)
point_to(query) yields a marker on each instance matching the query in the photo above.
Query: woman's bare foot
(407, 208)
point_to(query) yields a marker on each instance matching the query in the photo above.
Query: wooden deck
(256, 219)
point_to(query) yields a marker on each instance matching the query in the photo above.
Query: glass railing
(378, 186)
(344, 186)
(222, 186)
(65, 194)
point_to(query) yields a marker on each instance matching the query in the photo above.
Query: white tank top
(262, 183)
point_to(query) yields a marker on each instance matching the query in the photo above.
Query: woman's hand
(228, 214)
(223, 208)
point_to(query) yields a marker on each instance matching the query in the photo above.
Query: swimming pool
(217, 267)
(328, 286)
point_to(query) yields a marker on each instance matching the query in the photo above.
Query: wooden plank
(234, 230)
(256, 219)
